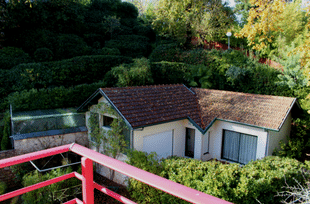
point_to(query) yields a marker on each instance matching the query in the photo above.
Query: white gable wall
(276, 137)
(216, 136)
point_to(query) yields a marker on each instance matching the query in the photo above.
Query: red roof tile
(259, 110)
(146, 105)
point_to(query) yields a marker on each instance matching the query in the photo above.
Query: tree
(184, 20)
(262, 24)
(242, 8)
(113, 141)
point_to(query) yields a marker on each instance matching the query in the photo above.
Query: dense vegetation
(258, 181)
(57, 53)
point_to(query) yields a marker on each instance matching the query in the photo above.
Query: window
(238, 147)
(190, 142)
(107, 121)
(206, 143)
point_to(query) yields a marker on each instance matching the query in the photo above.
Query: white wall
(178, 131)
(283, 134)
(216, 136)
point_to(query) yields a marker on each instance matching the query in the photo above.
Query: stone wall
(6, 174)
(28, 145)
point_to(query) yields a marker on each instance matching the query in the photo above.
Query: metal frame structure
(88, 185)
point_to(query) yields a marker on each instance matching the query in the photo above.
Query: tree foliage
(262, 23)
(183, 20)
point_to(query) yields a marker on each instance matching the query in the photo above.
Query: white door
(160, 143)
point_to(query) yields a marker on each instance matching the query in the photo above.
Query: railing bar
(150, 179)
(78, 201)
(78, 176)
(33, 156)
(35, 186)
(113, 194)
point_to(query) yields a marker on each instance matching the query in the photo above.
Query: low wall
(32, 142)
(25, 144)
(6, 174)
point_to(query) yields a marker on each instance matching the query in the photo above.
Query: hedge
(169, 72)
(71, 72)
(131, 45)
(5, 141)
(257, 181)
(12, 56)
(51, 98)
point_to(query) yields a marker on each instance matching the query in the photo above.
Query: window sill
(106, 128)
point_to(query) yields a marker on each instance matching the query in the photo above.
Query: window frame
(222, 150)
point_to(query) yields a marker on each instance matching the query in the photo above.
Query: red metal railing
(88, 185)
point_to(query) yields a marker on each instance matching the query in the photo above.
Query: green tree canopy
(183, 20)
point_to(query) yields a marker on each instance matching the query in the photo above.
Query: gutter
(288, 112)
(203, 131)
(88, 100)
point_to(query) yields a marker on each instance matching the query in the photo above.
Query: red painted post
(87, 183)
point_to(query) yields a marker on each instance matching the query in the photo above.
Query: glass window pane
(231, 145)
(248, 146)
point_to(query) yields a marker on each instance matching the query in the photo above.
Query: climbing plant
(113, 141)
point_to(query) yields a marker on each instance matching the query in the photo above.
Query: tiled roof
(259, 110)
(147, 105)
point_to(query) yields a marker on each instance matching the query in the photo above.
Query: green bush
(78, 70)
(169, 72)
(146, 31)
(66, 46)
(2, 187)
(257, 181)
(165, 52)
(12, 56)
(93, 37)
(136, 74)
(51, 98)
(110, 51)
(43, 55)
(131, 45)
(5, 141)
(53, 193)
(127, 10)
(298, 143)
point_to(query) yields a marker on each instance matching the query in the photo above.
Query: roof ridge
(242, 93)
(145, 86)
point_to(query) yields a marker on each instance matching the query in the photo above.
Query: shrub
(127, 10)
(257, 181)
(66, 46)
(43, 55)
(2, 187)
(146, 31)
(110, 51)
(299, 141)
(165, 52)
(51, 98)
(78, 70)
(6, 142)
(12, 56)
(136, 74)
(169, 72)
(131, 45)
(93, 37)
(53, 193)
